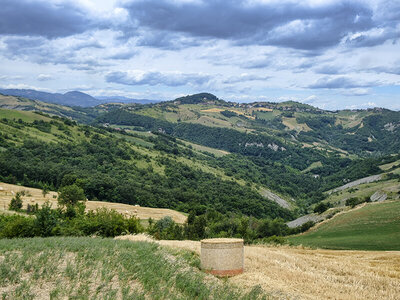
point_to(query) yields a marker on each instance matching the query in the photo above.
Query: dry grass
(297, 273)
(262, 109)
(212, 110)
(35, 196)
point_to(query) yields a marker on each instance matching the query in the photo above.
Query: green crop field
(95, 268)
(373, 227)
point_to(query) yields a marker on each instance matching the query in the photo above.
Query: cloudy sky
(330, 54)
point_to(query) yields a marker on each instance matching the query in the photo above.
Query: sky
(330, 54)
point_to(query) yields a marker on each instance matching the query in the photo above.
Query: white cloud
(44, 77)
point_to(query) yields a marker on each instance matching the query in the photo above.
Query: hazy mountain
(122, 99)
(72, 98)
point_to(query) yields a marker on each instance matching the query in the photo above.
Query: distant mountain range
(73, 98)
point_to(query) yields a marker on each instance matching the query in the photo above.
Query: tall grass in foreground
(95, 268)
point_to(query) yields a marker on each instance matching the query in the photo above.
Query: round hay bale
(222, 257)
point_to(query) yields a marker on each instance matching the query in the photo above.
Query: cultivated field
(298, 273)
(35, 196)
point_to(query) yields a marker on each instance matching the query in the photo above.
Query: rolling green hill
(84, 115)
(111, 165)
(356, 132)
(375, 226)
(293, 150)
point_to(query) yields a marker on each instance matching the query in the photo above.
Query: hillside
(113, 166)
(341, 132)
(24, 104)
(374, 226)
(288, 153)
(33, 196)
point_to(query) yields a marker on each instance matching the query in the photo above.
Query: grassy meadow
(375, 226)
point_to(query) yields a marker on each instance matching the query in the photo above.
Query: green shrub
(46, 220)
(16, 202)
(353, 202)
(107, 223)
(16, 226)
(276, 240)
(321, 207)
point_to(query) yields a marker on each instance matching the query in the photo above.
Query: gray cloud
(244, 78)
(166, 40)
(290, 24)
(157, 78)
(340, 82)
(390, 70)
(88, 44)
(328, 69)
(124, 54)
(11, 77)
(44, 77)
(43, 51)
(374, 38)
(357, 92)
(259, 63)
(42, 18)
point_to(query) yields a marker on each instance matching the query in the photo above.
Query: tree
(16, 202)
(70, 195)
(321, 207)
(46, 220)
(45, 190)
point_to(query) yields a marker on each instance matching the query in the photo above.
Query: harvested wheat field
(297, 273)
(213, 110)
(33, 196)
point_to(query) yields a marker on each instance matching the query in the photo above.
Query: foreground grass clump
(372, 227)
(95, 268)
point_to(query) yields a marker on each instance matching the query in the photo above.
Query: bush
(47, 220)
(107, 223)
(353, 202)
(16, 202)
(16, 226)
(275, 240)
(321, 207)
